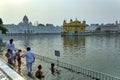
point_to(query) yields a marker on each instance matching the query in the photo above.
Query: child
(18, 57)
(8, 55)
(39, 73)
(13, 55)
(52, 68)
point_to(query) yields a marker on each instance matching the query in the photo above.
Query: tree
(1, 21)
(2, 28)
(98, 29)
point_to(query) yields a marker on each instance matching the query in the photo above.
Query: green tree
(98, 29)
(2, 28)
(1, 21)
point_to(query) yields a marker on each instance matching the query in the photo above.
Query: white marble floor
(3, 76)
(6, 73)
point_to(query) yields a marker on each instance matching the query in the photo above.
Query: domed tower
(25, 20)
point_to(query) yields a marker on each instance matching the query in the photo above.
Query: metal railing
(87, 72)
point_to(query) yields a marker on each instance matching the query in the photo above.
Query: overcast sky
(55, 11)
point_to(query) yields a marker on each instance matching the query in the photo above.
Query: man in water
(30, 58)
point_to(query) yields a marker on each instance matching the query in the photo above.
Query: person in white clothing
(30, 58)
(13, 56)
(10, 45)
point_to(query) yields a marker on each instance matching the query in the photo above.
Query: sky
(55, 11)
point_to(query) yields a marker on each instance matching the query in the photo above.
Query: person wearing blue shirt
(30, 58)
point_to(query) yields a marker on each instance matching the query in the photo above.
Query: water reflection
(27, 39)
(74, 45)
(1, 47)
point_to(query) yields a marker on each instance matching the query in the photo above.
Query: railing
(87, 72)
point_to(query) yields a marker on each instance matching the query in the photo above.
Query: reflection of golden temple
(74, 45)
(74, 26)
(74, 41)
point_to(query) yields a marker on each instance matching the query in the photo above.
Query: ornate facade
(26, 27)
(74, 26)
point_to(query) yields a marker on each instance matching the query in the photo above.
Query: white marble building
(91, 27)
(112, 27)
(26, 27)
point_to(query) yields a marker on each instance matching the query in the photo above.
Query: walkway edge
(9, 72)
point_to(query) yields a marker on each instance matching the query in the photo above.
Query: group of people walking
(14, 55)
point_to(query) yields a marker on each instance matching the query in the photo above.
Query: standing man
(10, 45)
(30, 58)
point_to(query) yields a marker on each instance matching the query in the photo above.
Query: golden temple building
(74, 26)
